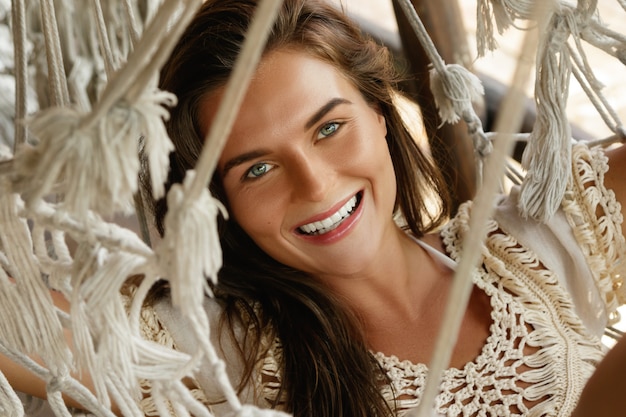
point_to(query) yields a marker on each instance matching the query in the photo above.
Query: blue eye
(328, 130)
(258, 170)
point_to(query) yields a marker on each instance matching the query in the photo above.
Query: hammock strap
(18, 15)
(103, 37)
(134, 30)
(59, 95)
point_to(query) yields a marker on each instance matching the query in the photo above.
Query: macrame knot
(93, 168)
(482, 144)
(560, 32)
(56, 383)
(190, 250)
(454, 91)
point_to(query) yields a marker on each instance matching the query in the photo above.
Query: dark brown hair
(326, 367)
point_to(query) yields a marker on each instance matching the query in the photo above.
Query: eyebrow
(240, 159)
(331, 104)
(248, 156)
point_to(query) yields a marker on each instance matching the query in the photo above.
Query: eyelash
(337, 127)
(249, 176)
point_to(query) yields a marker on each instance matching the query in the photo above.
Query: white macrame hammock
(100, 103)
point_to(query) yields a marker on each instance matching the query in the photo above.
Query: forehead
(288, 87)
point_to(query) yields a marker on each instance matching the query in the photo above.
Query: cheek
(382, 169)
(257, 216)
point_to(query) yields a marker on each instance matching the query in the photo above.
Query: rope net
(82, 81)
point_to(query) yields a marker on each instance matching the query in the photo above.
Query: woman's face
(306, 169)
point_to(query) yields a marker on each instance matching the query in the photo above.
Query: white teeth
(331, 222)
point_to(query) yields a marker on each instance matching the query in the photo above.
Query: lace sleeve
(595, 217)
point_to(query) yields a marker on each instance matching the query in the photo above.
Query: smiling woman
(308, 175)
(339, 251)
(338, 303)
(326, 151)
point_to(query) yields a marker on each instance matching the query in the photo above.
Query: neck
(398, 284)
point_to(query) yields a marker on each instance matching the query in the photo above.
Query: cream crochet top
(553, 289)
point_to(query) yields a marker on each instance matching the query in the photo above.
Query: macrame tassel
(488, 12)
(190, 251)
(455, 91)
(454, 88)
(505, 13)
(95, 168)
(547, 155)
(157, 144)
(189, 255)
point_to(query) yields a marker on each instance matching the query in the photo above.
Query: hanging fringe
(489, 11)
(547, 155)
(96, 168)
(548, 151)
(92, 158)
(190, 251)
(504, 13)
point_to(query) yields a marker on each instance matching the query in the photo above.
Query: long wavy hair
(326, 368)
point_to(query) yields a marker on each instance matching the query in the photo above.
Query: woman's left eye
(258, 170)
(328, 130)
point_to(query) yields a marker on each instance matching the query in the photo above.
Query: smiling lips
(331, 222)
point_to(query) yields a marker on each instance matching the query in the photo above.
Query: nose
(311, 179)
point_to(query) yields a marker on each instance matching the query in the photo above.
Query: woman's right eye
(258, 170)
